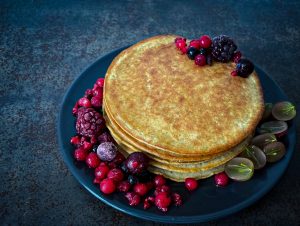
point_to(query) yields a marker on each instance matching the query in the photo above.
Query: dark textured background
(45, 45)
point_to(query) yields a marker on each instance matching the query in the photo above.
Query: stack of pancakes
(189, 120)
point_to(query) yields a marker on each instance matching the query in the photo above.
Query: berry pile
(221, 48)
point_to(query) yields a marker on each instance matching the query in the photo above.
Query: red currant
(205, 41)
(92, 160)
(84, 102)
(101, 171)
(191, 184)
(107, 186)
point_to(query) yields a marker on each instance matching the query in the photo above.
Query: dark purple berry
(137, 162)
(244, 68)
(209, 59)
(192, 52)
(132, 179)
(203, 51)
(223, 48)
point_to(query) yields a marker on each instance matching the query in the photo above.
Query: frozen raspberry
(133, 198)
(89, 122)
(163, 201)
(107, 151)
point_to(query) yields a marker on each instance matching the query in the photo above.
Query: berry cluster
(221, 48)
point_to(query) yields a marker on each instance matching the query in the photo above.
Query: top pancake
(162, 99)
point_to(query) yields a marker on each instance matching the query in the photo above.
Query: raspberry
(89, 122)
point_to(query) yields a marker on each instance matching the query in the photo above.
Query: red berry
(93, 140)
(195, 43)
(75, 109)
(124, 186)
(179, 38)
(184, 50)
(87, 146)
(200, 60)
(75, 140)
(88, 93)
(163, 201)
(100, 82)
(177, 200)
(191, 184)
(133, 199)
(159, 180)
(115, 174)
(107, 186)
(112, 165)
(96, 102)
(140, 188)
(84, 102)
(92, 160)
(163, 188)
(96, 181)
(234, 73)
(98, 92)
(180, 44)
(221, 179)
(149, 185)
(101, 171)
(80, 154)
(119, 158)
(237, 56)
(205, 41)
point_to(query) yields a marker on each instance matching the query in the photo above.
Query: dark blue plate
(208, 202)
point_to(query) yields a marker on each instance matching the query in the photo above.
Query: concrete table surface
(44, 45)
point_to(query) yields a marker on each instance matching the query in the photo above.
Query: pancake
(162, 100)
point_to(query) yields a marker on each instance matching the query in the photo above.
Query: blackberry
(223, 48)
(89, 122)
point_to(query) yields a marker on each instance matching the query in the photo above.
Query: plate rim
(165, 218)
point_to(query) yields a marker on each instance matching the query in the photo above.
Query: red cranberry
(205, 41)
(96, 181)
(92, 160)
(179, 38)
(234, 73)
(184, 50)
(96, 102)
(107, 186)
(159, 180)
(84, 102)
(75, 109)
(98, 92)
(124, 186)
(133, 198)
(191, 184)
(180, 44)
(195, 43)
(200, 60)
(163, 201)
(237, 56)
(101, 171)
(177, 200)
(80, 154)
(221, 179)
(141, 189)
(119, 158)
(100, 82)
(88, 93)
(87, 146)
(75, 140)
(115, 174)
(163, 188)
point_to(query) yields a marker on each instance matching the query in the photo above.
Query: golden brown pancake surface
(162, 99)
